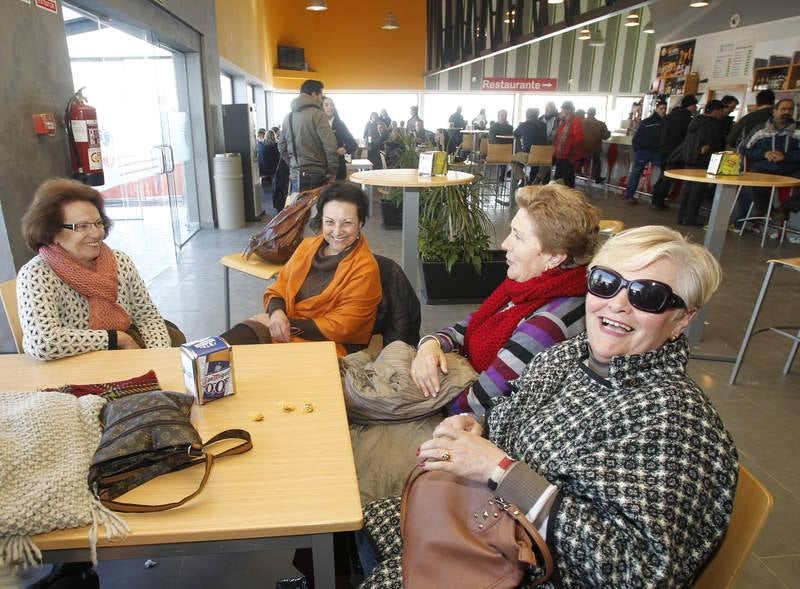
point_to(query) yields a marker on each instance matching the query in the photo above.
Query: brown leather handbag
(282, 235)
(147, 435)
(456, 533)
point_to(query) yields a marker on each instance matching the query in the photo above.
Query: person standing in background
(646, 142)
(730, 103)
(765, 100)
(307, 142)
(344, 139)
(703, 138)
(531, 132)
(550, 119)
(457, 123)
(594, 131)
(411, 123)
(673, 132)
(384, 116)
(568, 144)
(480, 119)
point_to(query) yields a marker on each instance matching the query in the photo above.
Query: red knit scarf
(490, 326)
(98, 285)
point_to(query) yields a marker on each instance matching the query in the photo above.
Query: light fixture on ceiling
(555, 1)
(597, 39)
(390, 22)
(585, 34)
(649, 28)
(632, 20)
(316, 5)
(699, 3)
(510, 16)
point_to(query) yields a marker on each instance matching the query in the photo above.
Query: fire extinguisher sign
(48, 5)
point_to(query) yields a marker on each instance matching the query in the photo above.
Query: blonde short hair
(564, 219)
(699, 273)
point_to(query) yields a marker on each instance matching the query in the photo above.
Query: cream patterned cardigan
(55, 318)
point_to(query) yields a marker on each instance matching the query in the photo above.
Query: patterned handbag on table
(147, 435)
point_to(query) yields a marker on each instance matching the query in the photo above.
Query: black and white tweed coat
(646, 470)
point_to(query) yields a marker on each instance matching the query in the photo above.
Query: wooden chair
(498, 154)
(8, 296)
(484, 147)
(611, 227)
(468, 141)
(254, 266)
(791, 264)
(751, 507)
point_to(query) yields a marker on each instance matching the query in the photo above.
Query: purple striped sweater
(558, 320)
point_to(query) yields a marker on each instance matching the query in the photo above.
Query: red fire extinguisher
(83, 135)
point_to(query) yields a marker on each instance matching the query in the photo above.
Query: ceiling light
(597, 39)
(649, 28)
(509, 16)
(555, 1)
(316, 5)
(699, 3)
(585, 34)
(632, 20)
(390, 22)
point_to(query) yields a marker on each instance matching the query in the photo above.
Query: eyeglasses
(84, 227)
(650, 296)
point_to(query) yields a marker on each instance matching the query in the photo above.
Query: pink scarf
(98, 285)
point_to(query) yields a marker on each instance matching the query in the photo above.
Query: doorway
(140, 88)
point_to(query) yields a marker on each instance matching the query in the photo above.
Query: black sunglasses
(650, 296)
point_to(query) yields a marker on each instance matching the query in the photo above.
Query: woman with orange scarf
(329, 289)
(77, 295)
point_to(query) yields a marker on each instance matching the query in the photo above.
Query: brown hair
(564, 221)
(42, 221)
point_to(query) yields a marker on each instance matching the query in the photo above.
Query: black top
(648, 135)
(532, 133)
(457, 120)
(496, 129)
(674, 129)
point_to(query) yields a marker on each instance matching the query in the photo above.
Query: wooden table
(293, 489)
(724, 199)
(254, 266)
(411, 182)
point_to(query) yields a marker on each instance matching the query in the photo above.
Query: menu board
(733, 61)
(675, 59)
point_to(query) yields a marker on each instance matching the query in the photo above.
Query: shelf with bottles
(776, 77)
(677, 85)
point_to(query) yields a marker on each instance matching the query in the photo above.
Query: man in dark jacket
(703, 138)
(730, 103)
(673, 133)
(646, 142)
(307, 142)
(772, 148)
(532, 131)
(765, 100)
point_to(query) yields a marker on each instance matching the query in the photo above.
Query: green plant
(453, 227)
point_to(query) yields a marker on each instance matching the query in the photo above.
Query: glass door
(140, 91)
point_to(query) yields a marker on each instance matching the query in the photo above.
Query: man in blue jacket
(772, 148)
(646, 144)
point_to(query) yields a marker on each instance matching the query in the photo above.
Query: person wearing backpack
(307, 141)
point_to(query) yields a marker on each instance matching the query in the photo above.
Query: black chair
(399, 314)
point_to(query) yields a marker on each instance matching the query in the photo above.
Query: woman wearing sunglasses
(607, 444)
(77, 295)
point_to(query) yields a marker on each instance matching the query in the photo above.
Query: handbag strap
(294, 143)
(546, 561)
(206, 458)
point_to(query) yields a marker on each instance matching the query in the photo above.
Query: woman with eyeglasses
(607, 444)
(77, 295)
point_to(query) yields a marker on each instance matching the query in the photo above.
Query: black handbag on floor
(147, 435)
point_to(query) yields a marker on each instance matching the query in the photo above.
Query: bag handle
(207, 458)
(536, 541)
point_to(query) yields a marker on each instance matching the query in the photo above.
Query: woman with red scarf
(541, 302)
(77, 295)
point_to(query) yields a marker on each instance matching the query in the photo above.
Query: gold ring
(445, 455)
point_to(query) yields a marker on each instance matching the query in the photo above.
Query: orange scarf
(345, 311)
(98, 285)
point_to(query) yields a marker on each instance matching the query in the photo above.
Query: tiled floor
(762, 411)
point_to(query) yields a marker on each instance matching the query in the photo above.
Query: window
(439, 107)
(226, 85)
(251, 93)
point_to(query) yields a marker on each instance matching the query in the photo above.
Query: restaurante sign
(520, 84)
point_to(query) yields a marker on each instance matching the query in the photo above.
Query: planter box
(392, 214)
(462, 285)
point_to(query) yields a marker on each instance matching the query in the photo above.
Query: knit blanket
(47, 441)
